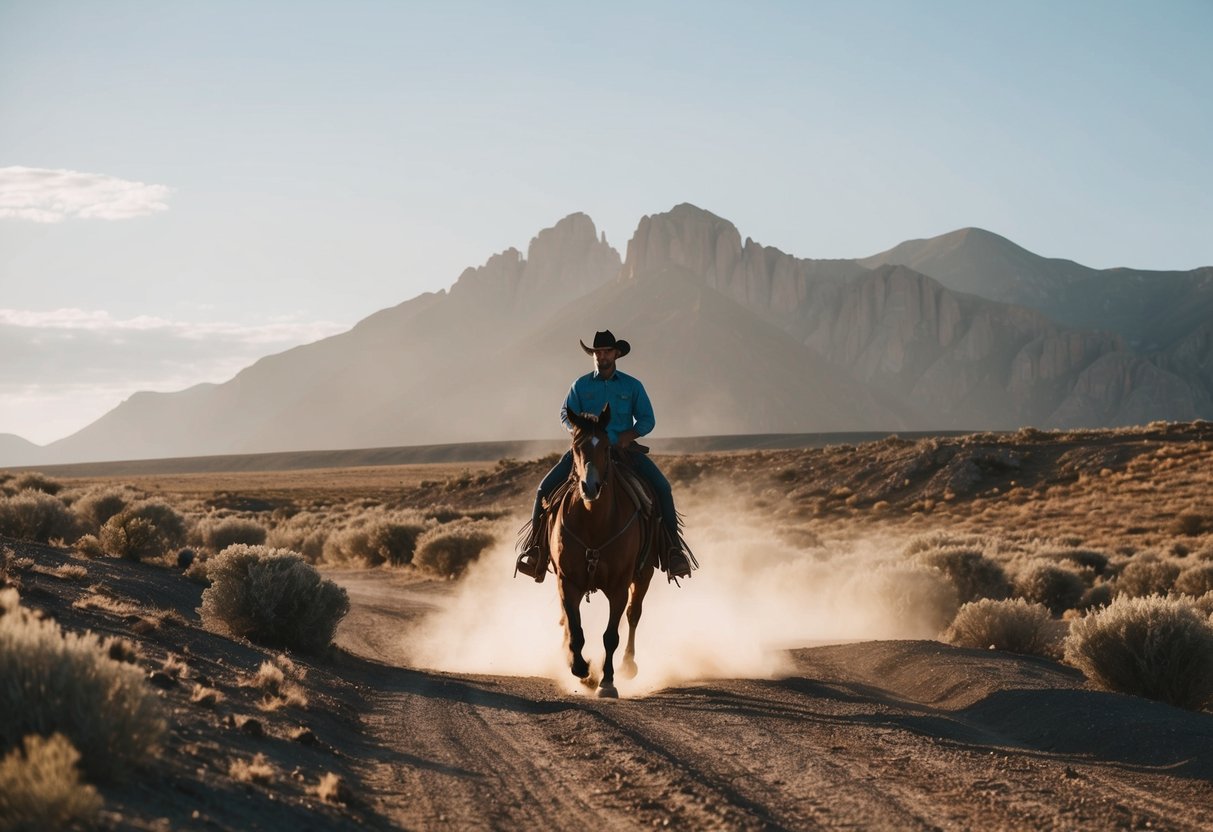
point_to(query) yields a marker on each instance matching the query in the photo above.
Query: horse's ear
(575, 419)
(604, 418)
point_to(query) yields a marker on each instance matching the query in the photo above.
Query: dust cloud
(755, 596)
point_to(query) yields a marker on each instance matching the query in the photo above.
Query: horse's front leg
(635, 608)
(610, 640)
(574, 636)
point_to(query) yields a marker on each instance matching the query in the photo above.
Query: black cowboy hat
(605, 340)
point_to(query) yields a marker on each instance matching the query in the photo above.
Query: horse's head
(591, 452)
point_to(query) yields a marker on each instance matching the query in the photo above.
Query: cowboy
(631, 418)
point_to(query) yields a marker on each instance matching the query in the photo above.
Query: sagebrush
(51, 680)
(40, 787)
(451, 548)
(1156, 647)
(1013, 625)
(273, 597)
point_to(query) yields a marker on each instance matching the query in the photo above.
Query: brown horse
(597, 537)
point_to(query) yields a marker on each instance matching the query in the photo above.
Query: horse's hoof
(628, 669)
(589, 681)
(608, 691)
(581, 668)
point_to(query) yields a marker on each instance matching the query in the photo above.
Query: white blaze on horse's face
(591, 483)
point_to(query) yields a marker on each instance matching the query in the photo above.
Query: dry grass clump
(218, 534)
(205, 697)
(1146, 574)
(1056, 587)
(450, 549)
(970, 571)
(332, 789)
(279, 681)
(69, 572)
(377, 539)
(256, 770)
(38, 516)
(89, 546)
(1013, 625)
(56, 681)
(40, 787)
(1159, 648)
(272, 596)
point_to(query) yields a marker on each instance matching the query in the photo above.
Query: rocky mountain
(1151, 310)
(730, 336)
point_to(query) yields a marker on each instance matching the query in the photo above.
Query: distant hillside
(966, 331)
(17, 451)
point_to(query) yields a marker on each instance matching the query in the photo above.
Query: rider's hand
(590, 417)
(627, 438)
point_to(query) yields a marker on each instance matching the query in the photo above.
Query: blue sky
(253, 175)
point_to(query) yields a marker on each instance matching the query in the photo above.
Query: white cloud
(62, 369)
(44, 195)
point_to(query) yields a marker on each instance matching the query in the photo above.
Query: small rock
(161, 679)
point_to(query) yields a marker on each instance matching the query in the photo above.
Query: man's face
(604, 360)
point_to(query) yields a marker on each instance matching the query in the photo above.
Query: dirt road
(876, 735)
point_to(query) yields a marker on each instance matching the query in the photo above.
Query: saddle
(652, 530)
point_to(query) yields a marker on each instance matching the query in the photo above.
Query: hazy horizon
(186, 189)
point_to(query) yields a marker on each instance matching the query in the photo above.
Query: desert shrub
(920, 600)
(1196, 580)
(197, 569)
(170, 523)
(1204, 604)
(381, 539)
(36, 481)
(55, 681)
(943, 540)
(97, 505)
(131, 537)
(40, 787)
(217, 535)
(89, 545)
(1013, 625)
(1159, 648)
(451, 548)
(1097, 596)
(35, 515)
(971, 572)
(1146, 575)
(1192, 523)
(1094, 562)
(305, 533)
(272, 596)
(1046, 583)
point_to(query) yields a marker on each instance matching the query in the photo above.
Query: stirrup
(678, 565)
(530, 563)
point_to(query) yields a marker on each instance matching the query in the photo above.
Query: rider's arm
(572, 402)
(642, 412)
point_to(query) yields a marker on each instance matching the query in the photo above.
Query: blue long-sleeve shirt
(630, 405)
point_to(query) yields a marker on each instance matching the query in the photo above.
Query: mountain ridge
(732, 337)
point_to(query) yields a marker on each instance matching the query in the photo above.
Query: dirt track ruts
(883, 735)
